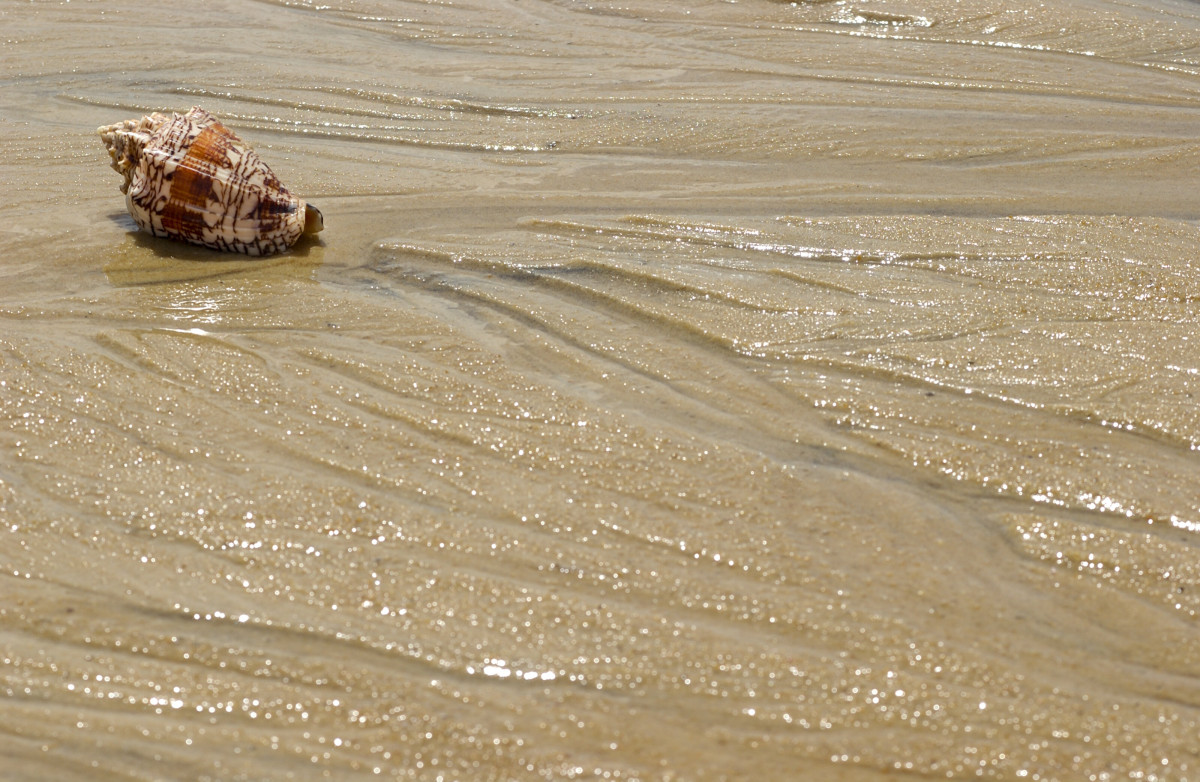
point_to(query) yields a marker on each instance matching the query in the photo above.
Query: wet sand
(743, 390)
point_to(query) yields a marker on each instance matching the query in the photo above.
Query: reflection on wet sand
(755, 390)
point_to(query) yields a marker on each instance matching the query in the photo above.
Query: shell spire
(190, 178)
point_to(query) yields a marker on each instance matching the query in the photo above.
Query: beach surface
(724, 390)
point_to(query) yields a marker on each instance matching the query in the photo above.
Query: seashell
(189, 178)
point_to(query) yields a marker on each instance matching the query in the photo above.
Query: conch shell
(188, 177)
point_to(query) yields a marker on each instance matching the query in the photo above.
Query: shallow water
(736, 390)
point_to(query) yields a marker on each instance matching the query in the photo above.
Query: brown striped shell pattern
(188, 177)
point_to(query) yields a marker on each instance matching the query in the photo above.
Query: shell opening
(314, 221)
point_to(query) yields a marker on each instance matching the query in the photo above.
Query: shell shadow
(149, 260)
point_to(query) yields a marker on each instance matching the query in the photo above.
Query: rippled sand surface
(708, 390)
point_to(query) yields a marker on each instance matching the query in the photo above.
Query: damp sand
(744, 390)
